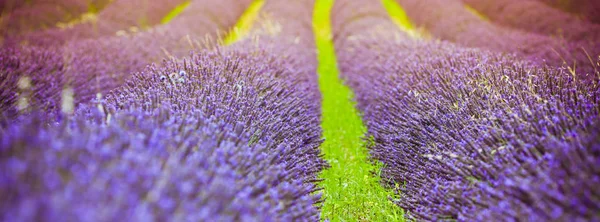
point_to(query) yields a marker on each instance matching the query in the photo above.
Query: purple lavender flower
(561, 186)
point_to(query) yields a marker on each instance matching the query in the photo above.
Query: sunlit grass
(245, 23)
(399, 17)
(476, 13)
(176, 11)
(352, 190)
(89, 16)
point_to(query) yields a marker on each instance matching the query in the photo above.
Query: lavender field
(299, 110)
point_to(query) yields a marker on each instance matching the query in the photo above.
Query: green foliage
(245, 22)
(399, 17)
(176, 11)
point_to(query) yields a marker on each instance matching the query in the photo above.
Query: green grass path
(175, 12)
(245, 22)
(352, 190)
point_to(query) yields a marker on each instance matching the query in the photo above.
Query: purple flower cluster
(229, 134)
(562, 186)
(450, 20)
(39, 90)
(472, 135)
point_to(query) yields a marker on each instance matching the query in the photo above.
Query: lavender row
(225, 136)
(11, 5)
(118, 16)
(368, 16)
(472, 135)
(450, 20)
(284, 29)
(288, 20)
(534, 16)
(97, 65)
(41, 15)
(71, 8)
(564, 188)
(585, 9)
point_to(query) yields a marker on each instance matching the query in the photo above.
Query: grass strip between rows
(399, 17)
(476, 13)
(175, 12)
(245, 23)
(352, 190)
(89, 16)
